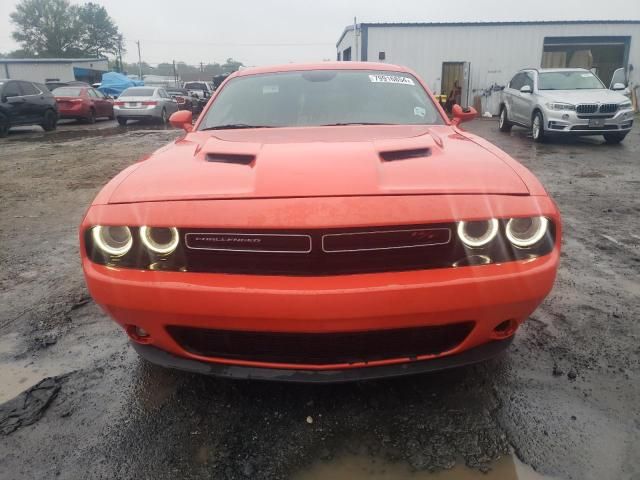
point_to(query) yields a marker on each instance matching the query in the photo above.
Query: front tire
(614, 138)
(122, 121)
(503, 121)
(49, 122)
(537, 128)
(4, 126)
(163, 117)
(92, 117)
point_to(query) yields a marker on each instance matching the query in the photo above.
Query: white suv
(565, 101)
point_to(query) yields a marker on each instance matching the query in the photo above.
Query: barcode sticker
(391, 79)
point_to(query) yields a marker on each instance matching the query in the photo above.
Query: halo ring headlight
(474, 239)
(163, 246)
(527, 231)
(112, 240)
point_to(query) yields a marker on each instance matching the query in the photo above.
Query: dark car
(185, 100)
(26, 103)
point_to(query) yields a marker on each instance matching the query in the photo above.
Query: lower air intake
(321, 348)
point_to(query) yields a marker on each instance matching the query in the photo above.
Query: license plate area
(133, 104)
(596, 122)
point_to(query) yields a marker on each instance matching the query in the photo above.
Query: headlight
(625, 105)
(526, 232)
(560, 106)
(114, 241)
(160, 240)
(477, 234)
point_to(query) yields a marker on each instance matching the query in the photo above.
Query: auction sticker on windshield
(391, 79)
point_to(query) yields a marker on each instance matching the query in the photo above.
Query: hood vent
(395, 155)
(238, 159)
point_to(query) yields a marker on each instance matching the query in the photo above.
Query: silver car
(565, 101)
(144, 103)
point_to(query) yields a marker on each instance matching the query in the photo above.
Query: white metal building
(482, 57)
(54, 69)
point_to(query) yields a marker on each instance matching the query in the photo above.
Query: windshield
(575, 80)
(138, 92)
(322, 97)
(67, 92)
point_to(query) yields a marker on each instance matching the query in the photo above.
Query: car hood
(316, 162)
(584, 96)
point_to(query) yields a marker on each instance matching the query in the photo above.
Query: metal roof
(348, 28)
(51, 60)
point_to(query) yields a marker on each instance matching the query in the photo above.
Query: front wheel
(92, 116)
(163, 117)
(537, 128)
(503, 121)
(613, 138)
(49, 121)
(122, 121)
(4, 126)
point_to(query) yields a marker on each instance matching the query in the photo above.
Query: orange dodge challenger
(321, 223)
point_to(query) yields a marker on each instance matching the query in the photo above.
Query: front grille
(608, 108)
(586, 128)
(587, 108)
(318, 252)
(321, 348)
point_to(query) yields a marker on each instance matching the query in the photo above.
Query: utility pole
(139, 61)
(355, 36)
(175, 73)
(201, 67)
(120, 53)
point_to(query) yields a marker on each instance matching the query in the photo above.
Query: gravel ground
(564, 399)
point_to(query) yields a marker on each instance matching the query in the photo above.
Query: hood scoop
(395, 155)
(234, 158)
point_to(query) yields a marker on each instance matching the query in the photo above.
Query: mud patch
(28, 407)
(369, 468)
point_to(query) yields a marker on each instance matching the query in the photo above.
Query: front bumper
(570, 123)
(475, 355)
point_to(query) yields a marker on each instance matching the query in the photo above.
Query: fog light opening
(138, 334)
(505, 329)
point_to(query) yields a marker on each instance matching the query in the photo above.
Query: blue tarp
(114, 83)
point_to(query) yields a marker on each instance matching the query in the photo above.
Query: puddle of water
(16, 375)
(361, 468)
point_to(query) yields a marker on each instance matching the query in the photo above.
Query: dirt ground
(563, 402)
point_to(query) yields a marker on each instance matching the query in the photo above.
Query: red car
(83, 103)
(321, 223)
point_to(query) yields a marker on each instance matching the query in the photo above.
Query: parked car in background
(83, 103)
(26, 103)
(185, 100)
(565, 101)
(144, 103)
(202, 90)
(322, 222)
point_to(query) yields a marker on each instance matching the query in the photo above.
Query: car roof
(545, 70)
(294, 67)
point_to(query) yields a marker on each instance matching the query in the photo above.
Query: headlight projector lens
(160, 240)
(526, 232)
(114, 241)
(478, 234)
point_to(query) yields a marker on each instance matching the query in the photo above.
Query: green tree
(99, 34)
(48, 28)
(231, 65)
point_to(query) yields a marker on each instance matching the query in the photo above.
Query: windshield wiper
(353, 123)
(234, 126)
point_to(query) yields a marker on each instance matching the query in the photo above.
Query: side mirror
(463, 114)
(618, 86)
(182, 119)
(526, 89)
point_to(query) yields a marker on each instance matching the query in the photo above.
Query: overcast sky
(259, 32)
